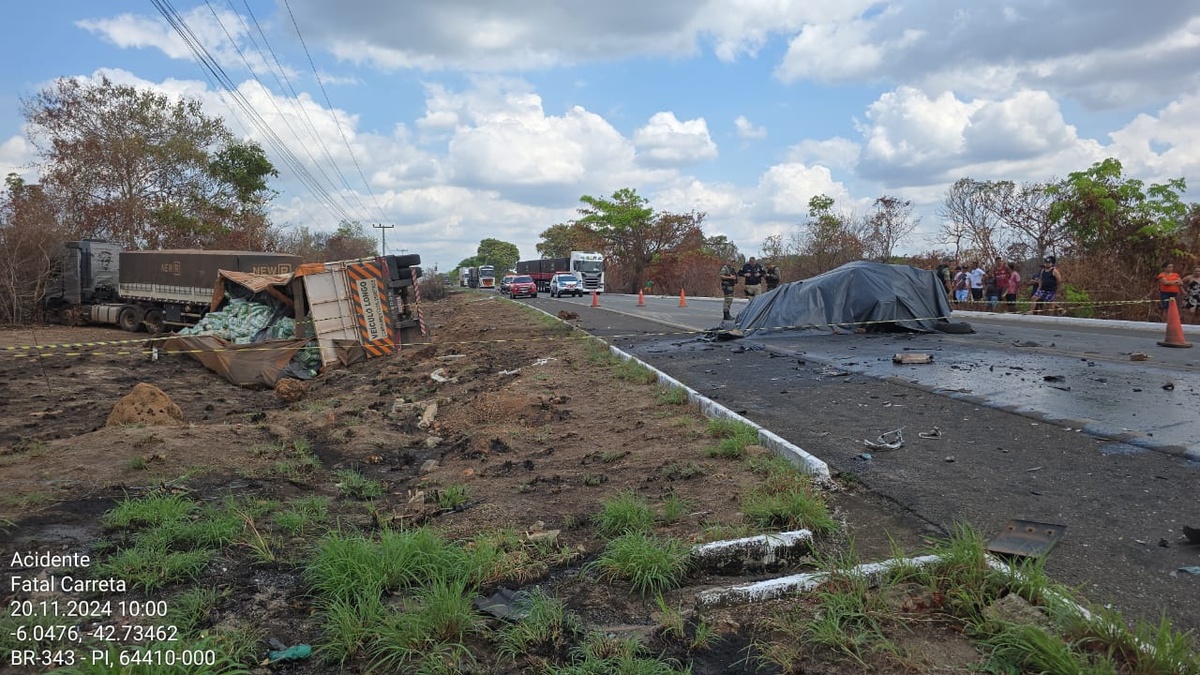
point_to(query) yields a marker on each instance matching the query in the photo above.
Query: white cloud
(224, 34)
(667, 141)
(785, 189)
(17, 156)
(837, 153)
(746, 130)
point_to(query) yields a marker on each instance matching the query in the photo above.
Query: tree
(830, 239)
(557, 241)
(967, 220)
(1024, 211)
(1104, 212)
(136, 167)
(891, 221)
(29, 237)
(723, 249)
(499, 254)
(633, 234)
(350, 242)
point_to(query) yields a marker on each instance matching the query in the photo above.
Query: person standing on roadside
(977, 277)
(962, 284)
(1191, 292)
(752, 273)
(1169, 285)
(772, 277)
(999, 281)
(1012, 288)
(729, 277)
(944, 275)
(1048, 281)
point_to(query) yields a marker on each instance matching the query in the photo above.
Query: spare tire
(408, 260)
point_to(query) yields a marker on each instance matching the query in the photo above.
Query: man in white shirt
(977, 275)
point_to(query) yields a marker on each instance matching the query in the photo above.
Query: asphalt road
(1100, 448)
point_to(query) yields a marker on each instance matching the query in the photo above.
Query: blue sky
(459, 120)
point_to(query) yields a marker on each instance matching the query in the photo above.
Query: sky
(458, 120)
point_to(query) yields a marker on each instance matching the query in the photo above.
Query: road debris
(912, 359)
(889, 440)
(1139, 356)
(930, 435)
(439, 376)
(1192, 534)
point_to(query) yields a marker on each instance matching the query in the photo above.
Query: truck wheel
(154, 322)
(408, 260)
(129, 320)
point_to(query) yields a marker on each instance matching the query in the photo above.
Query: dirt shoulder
(521, 415)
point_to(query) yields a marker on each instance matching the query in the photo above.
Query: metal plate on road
(1026, 538)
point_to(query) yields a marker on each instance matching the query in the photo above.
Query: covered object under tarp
(856, 295)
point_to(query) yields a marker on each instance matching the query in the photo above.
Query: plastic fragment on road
(930, 435)
(1191, 569)
(439, 375)
(889, 440)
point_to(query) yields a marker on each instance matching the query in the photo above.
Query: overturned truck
(262, 328)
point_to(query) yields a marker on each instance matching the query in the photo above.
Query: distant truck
(472, 277)
(98, 282)
(587, 266)
(487, 276)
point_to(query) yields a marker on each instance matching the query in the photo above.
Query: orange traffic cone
(641, 299)
(1174, 328)
(682, 299)
(595, 299)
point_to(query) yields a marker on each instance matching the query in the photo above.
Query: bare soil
(539, 430)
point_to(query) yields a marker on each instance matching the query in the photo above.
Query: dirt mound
(146, 405)
(290, 391)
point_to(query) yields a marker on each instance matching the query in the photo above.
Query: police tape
(26, 350)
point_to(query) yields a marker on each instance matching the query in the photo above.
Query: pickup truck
(565, 284)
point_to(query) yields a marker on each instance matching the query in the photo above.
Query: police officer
(753, 274)
(772, 277)
(729, 277)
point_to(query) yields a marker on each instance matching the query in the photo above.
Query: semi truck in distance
(487, 276)
(99, 282)
(587, 266)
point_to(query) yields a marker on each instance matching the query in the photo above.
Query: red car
(522, 287)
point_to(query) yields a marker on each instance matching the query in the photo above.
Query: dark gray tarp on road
(856, 295)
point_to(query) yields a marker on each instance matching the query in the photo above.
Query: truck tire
(129, 319)
(153, 321)
(408, 260)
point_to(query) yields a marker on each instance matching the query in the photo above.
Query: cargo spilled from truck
(324, 315)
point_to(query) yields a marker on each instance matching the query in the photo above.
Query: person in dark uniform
(753, 274)
(729, 277)
(772, 277)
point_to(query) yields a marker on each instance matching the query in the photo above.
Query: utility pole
(383, 236)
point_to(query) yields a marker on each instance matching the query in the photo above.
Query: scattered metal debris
(888, 440)
(912, 359)
(439, 375)
(1027, 538)
(930, 435)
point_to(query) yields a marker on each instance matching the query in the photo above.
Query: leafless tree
(891, 221)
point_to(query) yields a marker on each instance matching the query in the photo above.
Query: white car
(565, 284)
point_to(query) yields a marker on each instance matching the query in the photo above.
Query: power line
(330, 104)
(383, 236)
(172, 16)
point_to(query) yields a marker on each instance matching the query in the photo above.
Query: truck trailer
(98, 282)
(588, 266)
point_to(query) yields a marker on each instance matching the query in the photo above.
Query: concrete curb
(760, 552)
(813, 466)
